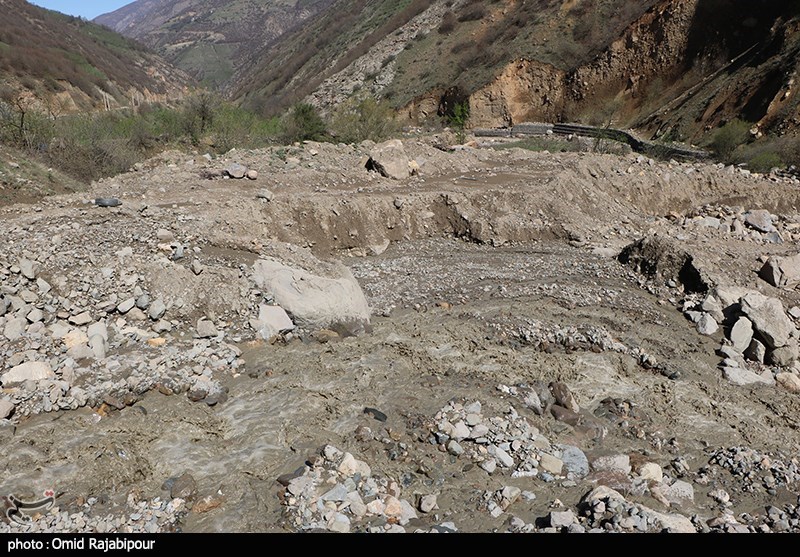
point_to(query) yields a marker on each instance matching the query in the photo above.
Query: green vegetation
(94, 145)
(727, 138)
(363, 118)
(302, 123)
(40, 45)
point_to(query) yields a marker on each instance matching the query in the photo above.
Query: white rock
(427, 503)
(460, 431)
(741, 334)
(35, 371)
(6, 408)
(15, 328)
(315, 301)
(127, 305)
(351, 466)
(707, 325)
(273, 320)
(651, 471)
(83, 318)
(206, 329)
(503, 458)
(613, 463)
(741, 376)
(550, 464)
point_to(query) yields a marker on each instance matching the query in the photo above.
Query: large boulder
(781, 271)
(768, 318)
(324, 296)
(29, 371)
(390, 160)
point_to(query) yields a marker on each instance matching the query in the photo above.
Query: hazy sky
(85, 8)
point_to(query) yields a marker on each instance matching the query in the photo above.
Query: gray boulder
(389, 159)
(768, 318)
(782, 271)
(328, 297)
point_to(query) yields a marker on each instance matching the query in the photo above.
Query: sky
(84, 8)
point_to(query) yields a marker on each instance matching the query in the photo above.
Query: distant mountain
(674, 68)
(209, 38)
(77, 64)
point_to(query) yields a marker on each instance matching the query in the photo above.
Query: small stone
(127, 305)
(760, 219)
(707, 325)
(35, 315)
(265, 194)
(427, 503)
(741, 334)
(83, 318)
(562, 519)
(236, 171)
(339, 523)
(564, 396)
(490, 465)
(98, 346)
(550, 464)
(454, 448)
(503, 458)
(460, 431)
(197, 267)
(337, 493)
(15, 328)
(651, 471)
(207, 503)
(351, 466)
(7, 408)
(252, 175)
(576, 465)
(273, 320)
(27, 268)
(613, 463)
(157, 310)
(107, 202)
(43, 285)
(789, 381)
(164, 235)
(679, 492)
(206, 329)
(741, 376)
(756, 352)
(143, 301)
(75, 337)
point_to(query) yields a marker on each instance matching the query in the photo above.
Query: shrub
(727, 138)
(363, 118)
(448, 23)
(764, 162)
(303, 122)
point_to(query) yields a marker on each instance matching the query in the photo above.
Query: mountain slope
(77, 64)
(661, 66)
(209, 38)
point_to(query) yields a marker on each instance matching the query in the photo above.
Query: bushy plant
(727, 138)
(302, 123)
(361, 118)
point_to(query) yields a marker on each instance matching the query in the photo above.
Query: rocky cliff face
(658, 59)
